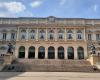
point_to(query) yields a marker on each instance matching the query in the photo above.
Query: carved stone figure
(10, 48)
(93, 49)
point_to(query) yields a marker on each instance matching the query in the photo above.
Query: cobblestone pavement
(49, 76)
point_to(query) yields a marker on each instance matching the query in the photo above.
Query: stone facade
(50, 38)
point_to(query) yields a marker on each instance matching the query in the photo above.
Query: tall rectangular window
(12, 36)
(89, 37)
(4, 36)
(97, 36)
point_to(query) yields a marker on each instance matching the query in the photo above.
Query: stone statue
(93, 49)
(10, 48)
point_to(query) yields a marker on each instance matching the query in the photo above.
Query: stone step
(50, 66)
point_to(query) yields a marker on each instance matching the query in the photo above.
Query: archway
(60, 53)
(70, 52)
(21, 52)
(80, 51)
(31, 52)
(51, 52)
(41, 52)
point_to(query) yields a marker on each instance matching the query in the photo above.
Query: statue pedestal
(93, 58)
(7, 58)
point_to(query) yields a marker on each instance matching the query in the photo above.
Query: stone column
(85, 52)
(8, 36)
(26, 52)
(46, 53)
(55, 34)
(75, 52)
(18, 34)
(94, 37)
(65, 53)
(84, 35)
(37, 34)
(75, 35)
(36, 53)
(27, 34)
(56, 53)
(65, 36)
(46, 35)
(16, 51)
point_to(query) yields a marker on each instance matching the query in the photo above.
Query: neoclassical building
(50, 37)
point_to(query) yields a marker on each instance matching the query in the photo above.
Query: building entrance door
(31, 52)
(41, 53)
(21, 52)
(70, 53)
(51, 53)
(60, 53)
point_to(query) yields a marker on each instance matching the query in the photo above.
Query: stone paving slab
(49, 76)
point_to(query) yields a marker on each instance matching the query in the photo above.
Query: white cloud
(35, 4)
(62, 2)
(13, 7)
(3, 14)
(95, 8)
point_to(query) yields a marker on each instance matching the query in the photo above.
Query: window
(89, 37)
(23, 34)
(97, 36)
(32, 37)
(69, 36)
(4, 36)
(51, 35)
(60, 34)
(42, 35)
(70, 33)
(32, 34)
(79, 34)
(12, 36)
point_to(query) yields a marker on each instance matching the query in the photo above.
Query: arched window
(70, 52)
(32, 34)
(79, 34)
(21, 52)
(31, 52)
(51, 35)
(42, 34)
(80, 51)
(61, 34)
(41, 52)
(60, 52)
(23, 34)
(51, 52)
(70, 34)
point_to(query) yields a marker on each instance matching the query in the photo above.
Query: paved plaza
(49, 76)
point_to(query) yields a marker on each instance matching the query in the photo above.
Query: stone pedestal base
(93, 58)
(7, 58)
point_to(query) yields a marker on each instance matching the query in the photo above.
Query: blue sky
(45, 8)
